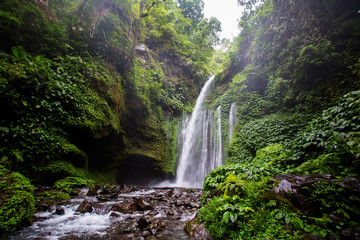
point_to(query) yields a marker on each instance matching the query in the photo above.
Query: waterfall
(232, 119)
(200, 143)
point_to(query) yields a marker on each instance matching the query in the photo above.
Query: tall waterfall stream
(202, 148)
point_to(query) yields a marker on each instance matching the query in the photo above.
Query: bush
(331, 142)
(260, 133)
(69, 183)
(17, 203)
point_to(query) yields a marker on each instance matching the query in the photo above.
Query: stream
(117, 212)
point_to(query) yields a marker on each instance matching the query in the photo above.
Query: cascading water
(232, 119)
(201, 147)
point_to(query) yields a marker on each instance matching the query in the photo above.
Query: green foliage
(330, 144)
(259, 133)
(17, 203)
(250, 216)
(69, 183)
(232, 186)
(24, 24)
(52, 197)
(45, 100)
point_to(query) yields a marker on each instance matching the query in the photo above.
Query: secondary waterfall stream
(201, 146)
(232, 119)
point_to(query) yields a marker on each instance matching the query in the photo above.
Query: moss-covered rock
(17, 203)
(69, 183)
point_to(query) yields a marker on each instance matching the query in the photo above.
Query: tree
(144, 10)
(192, 9)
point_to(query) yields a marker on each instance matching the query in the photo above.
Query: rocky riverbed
(116, 212)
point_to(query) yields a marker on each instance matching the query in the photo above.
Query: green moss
(233, 185)
(51, 197)
(17, 203)
(69, 183)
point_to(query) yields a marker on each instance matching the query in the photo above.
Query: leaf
(226, 217)
(287, 218)
(298, 223)
(233, 217)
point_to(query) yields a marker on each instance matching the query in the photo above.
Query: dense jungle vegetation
(92, 89)
(292, 167)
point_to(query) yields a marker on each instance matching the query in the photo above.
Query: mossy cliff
(92, 89)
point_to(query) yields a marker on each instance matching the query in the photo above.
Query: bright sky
(227, 12)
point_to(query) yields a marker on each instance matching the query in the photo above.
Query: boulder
(60, 211)
(145, 233)
(92, 192)
(298, 190)
(142, 205)
(85, 207)
(143, 222)
(196, 229)
(114, 215)
(125, 207)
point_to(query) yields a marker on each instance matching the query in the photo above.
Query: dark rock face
(295, 189)
(321, 195)
(292, 187)
(196, 229)
(60, 211)
(85, 207)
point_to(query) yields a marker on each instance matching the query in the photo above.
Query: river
(117, 212)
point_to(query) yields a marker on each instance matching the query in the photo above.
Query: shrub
(17, 203)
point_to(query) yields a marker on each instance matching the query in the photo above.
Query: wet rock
(175, 192)
(102, 198)
(43, 206)
(146, 233)
(124, 207)
(104, 191)
(130, 236)
(92, 192)
(60, 211)
(40, 218)
(114, 196)
(161, 214)
(346, 234)
(352, 184)
(152, 213)
(151, 238)
(293, 187)
(197, 230)
(85, 207)
(132, 227)
(143, 222)
(114, 215)
(142, 205)
(44, 235)
(212, 194)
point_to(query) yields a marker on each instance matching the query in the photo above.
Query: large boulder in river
(125, 207)
(142, 205)
(85, 207)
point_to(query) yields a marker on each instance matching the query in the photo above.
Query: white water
(232, 119)
(200, 143)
